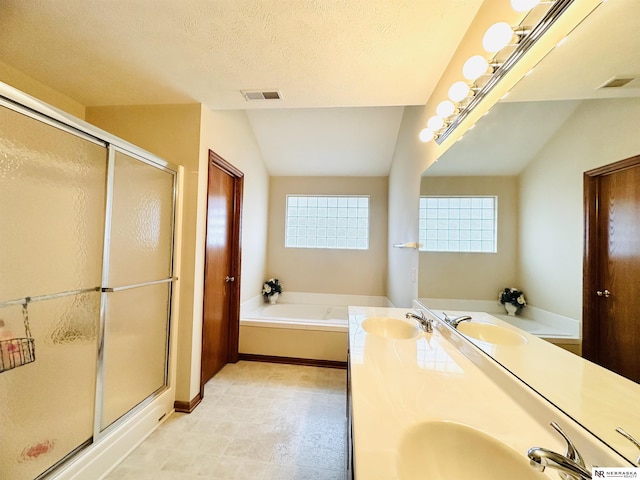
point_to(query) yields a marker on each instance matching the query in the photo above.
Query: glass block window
(327, 222)
(458, 224)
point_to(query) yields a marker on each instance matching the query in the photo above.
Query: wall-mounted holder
(15, 352)
(415, 245)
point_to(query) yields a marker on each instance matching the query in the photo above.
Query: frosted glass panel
(141, 230)
(52, 187)
(47, 407)
(135, 351)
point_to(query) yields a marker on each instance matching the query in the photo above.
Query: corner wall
(598, 133)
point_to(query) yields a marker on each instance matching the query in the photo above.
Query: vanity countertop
(399, 384)
(570, 382)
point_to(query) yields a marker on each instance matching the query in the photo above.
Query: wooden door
(611, 329)
(221, 315)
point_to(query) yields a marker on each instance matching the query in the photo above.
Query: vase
(273, 299)
(511, 309)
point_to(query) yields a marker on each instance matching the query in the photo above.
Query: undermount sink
(486, 332)
(393, 328)
(443, 450)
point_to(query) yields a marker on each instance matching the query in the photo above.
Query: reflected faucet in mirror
(631, 439)
(454, 322)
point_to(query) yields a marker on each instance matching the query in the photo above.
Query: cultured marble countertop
(579, 387)
(397, 385)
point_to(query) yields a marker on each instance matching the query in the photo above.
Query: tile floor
(258, 421)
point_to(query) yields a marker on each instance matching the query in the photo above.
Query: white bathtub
(299, 316)
(301, 326)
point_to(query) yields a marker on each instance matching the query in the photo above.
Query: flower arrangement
(513, 296)
(271, 287)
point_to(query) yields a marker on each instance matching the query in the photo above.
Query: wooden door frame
(219, 163)
(591, 259)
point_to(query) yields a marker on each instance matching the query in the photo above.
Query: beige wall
(474, 276)
(229, 134)
(404, 191)
(30, 86)
(356, 272)
(551, 199)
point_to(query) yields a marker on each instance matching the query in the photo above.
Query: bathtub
(307, 326)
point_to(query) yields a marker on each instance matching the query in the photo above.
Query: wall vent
(261, 94)
(621, 81)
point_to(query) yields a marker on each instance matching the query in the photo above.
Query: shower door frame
(23, 104)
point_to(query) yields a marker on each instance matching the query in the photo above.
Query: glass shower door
(138, 274)
(52, 202)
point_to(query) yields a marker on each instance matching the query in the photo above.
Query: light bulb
(459, 91)
(445, 108)
(426, 135)
(475, 67)
(435, 123)
(497, 37)
(523, 5)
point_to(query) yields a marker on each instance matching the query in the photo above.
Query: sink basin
(393, 328)
(442, 450)
(485, 332)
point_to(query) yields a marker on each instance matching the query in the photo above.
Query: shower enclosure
(86, 276)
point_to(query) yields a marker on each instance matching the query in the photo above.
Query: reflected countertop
(399, 384)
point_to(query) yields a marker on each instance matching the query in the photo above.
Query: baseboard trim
(309, 362)
(187, 407)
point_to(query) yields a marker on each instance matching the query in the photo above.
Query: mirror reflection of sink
(442, 450)
(485, 332)
(392, 328)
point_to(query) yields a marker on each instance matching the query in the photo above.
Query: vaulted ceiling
(332, 61)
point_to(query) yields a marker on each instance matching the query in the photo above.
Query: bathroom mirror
(577, 110)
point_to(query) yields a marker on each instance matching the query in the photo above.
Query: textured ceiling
(319, 53)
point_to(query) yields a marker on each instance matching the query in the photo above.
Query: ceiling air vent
(261, 95)
(618, 82)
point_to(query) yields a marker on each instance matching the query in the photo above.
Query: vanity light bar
(554, 12)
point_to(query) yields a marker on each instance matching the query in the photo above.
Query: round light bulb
(523, 5)
(475, 67)
(459, 91)
(435, 123)
(426, 135)
(445, 108)
(497, 37)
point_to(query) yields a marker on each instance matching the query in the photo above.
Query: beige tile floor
(257, 421)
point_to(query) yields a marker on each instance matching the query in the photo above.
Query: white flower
(266, 289)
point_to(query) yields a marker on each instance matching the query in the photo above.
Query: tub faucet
(423, 322)
(454, 322)
(570, 465)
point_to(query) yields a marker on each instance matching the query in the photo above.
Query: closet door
(138, 271)
(52, 203)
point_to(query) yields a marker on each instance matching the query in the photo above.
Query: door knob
(605, 294)
(229, 279)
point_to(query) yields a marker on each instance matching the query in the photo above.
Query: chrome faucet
(454, 322)
(570, 466)
(423, 322)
